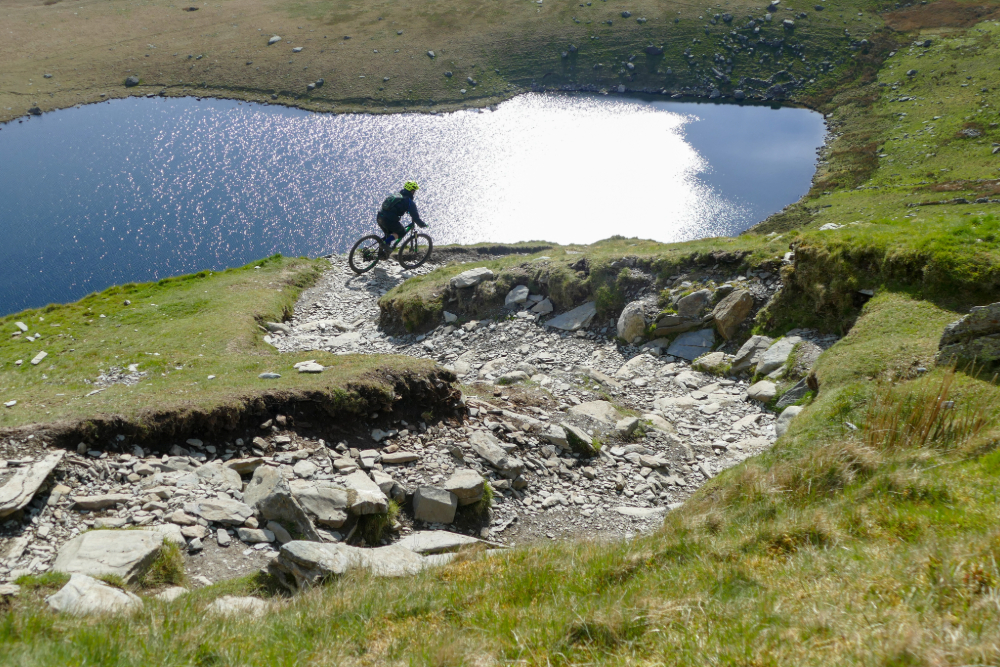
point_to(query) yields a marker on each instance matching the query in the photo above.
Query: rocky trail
(564, 432)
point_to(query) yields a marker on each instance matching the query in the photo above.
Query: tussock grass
(923, 416)
(167, 569)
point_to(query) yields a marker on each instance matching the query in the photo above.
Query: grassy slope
(179, 331)
(835, 548)
(90, 47)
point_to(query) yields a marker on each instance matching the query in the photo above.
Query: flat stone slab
(641, 512)
(693, 344)
(232, 605)
(602, 411)
(230, 512)
(575, 319)
(467, 485)
(776, 355)
(84, 596)
(224, 476)
(762, 391)
(426, 542)
(25, 482)
(302, 564)
(399, 458)
(471, 278)
(123, 553)
(100, 502)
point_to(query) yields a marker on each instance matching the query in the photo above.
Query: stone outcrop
(302, 564)
(269, 494)
(21, 487)
(973, 339)
(122, 553)
(732, 311)
(632, 322)
(84, 596)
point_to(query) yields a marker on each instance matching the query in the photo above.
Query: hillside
(868, 532)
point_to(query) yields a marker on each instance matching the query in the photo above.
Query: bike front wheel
(414, 251)
(365, 254)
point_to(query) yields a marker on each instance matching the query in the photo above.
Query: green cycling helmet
(411, 186)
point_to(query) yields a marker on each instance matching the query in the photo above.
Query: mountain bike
(414, 249)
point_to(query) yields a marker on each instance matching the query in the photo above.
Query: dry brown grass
(940, 14)
(922, 414)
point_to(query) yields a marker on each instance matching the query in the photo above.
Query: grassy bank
(196, 340)
(870, 546)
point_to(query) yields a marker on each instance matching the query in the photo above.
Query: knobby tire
(411, 250)
(356, 262)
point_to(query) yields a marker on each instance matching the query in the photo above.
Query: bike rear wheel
(414, 251)
(365, 254)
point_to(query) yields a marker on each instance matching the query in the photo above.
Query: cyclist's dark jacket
(395, 207)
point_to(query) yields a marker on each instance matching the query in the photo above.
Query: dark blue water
(140, 189)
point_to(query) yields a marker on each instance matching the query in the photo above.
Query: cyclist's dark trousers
(390, 227)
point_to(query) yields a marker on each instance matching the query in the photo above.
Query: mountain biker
(394, 207)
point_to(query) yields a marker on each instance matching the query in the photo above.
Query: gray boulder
(579, 441)
(244, 607)
(749, 354)
(632, 322)
(302, 564)
(793, 395)
(785, 418)
(217, 510)
(600, 411)
(543, 307)
(516, 296)
(122, 553)
(694, 304)
(100, 502)
(489, 449)
(84, 596)
(467, 485)
(715, 363)
(578, 318)
(471, 278)
(627, 426)
(426, 542)
(763, 391)
(223, 476)
(974, 338)
(269, 494)
(731, 312)
(669, 324)
(776, 355)
(367, 497)
(327, 503)
(18, 491)
(131, 81)
(434, 505)
(693, 344)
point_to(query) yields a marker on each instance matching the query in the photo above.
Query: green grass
(867, 535)
(418, 303)
(166, 570)
(178, 331)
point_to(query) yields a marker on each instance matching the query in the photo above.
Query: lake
(142, 188)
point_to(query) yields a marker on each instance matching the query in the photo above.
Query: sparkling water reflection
(139, 189)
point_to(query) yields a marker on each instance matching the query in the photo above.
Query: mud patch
(940, 14)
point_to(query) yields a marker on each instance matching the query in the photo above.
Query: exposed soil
(940, 14)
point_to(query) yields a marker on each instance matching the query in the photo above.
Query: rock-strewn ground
(577, 434)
